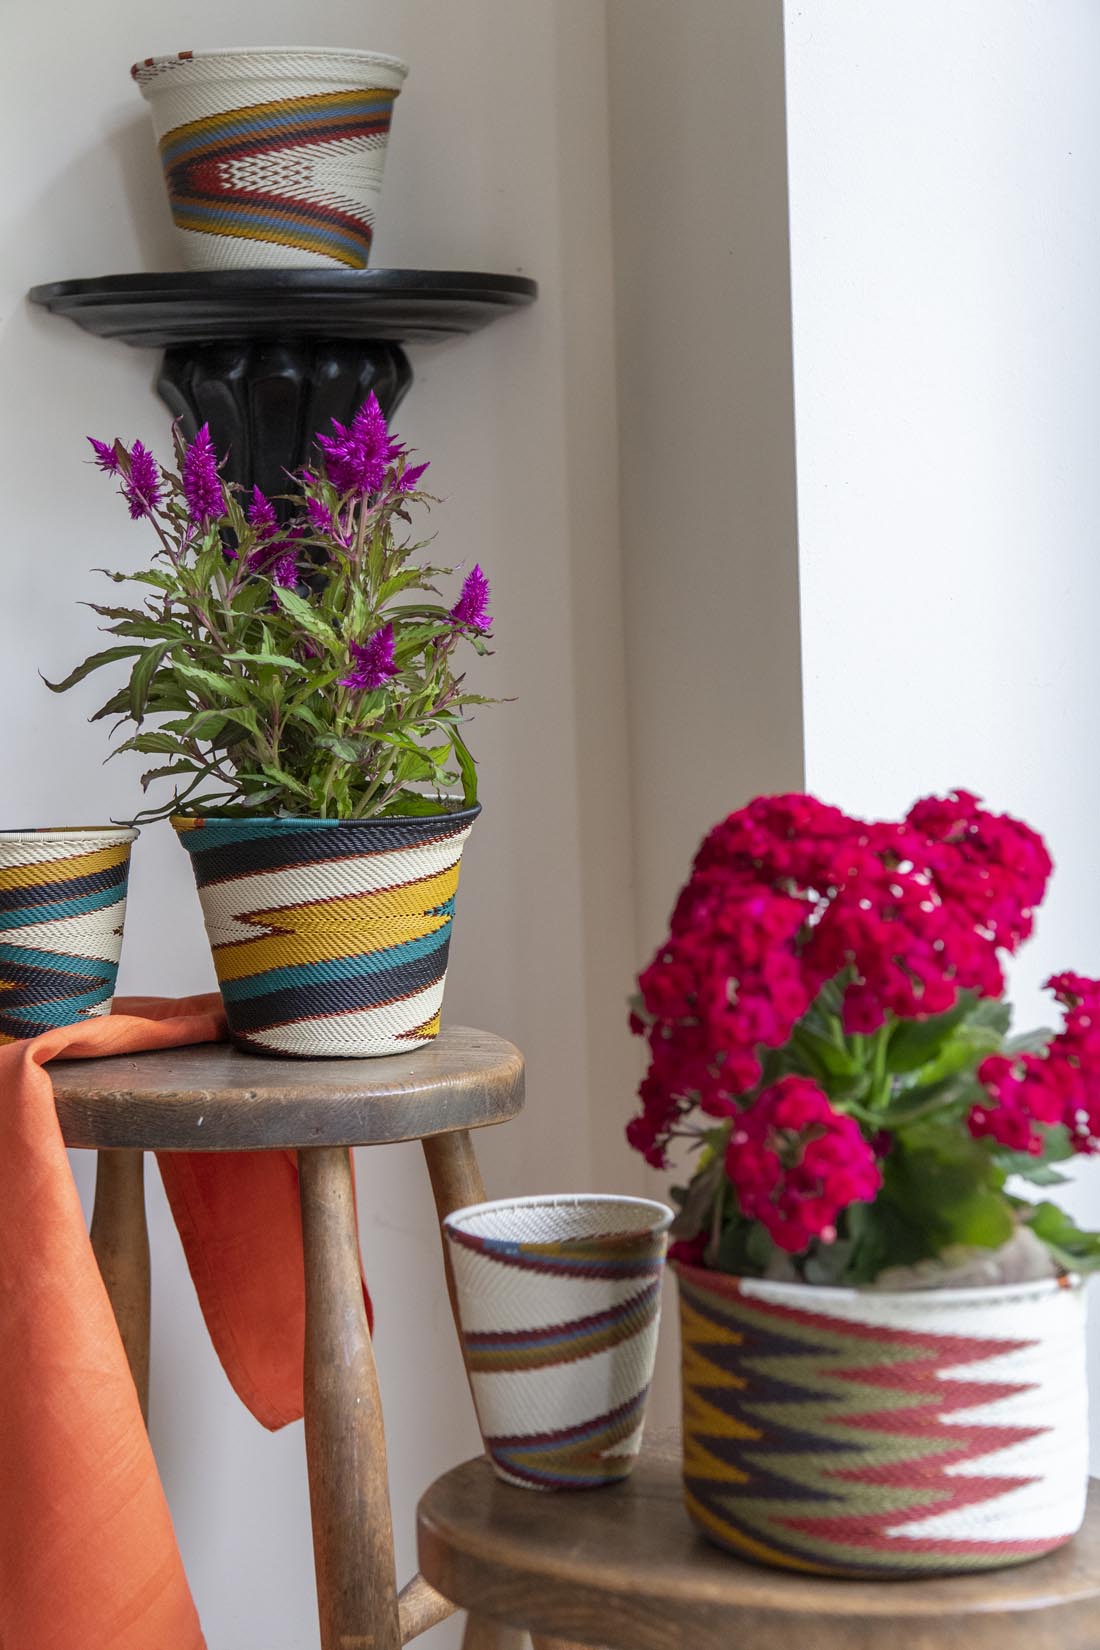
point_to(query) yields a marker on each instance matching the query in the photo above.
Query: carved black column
(265, 400)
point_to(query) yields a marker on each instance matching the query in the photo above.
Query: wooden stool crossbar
(213, 1098)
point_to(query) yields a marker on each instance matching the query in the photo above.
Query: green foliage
(242, 663)
(910, 1085)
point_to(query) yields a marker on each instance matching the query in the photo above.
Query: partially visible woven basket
(330, 937)
(863, 1433)
(559, 1301)
(62, 907)
(273, 158)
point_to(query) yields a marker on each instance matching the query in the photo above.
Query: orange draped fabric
(88, 1556)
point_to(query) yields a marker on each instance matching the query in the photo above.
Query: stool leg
(120, 1242)
(456, 1181)
(345, 1442)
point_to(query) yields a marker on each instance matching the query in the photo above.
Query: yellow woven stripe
(248, 232)
(323, 931)
(239, 958)
(733, 1538)
(320, 102)
(409, 899)
(61, 870)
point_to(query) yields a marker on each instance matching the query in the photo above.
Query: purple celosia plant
(299, 662)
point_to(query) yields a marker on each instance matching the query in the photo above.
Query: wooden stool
(212, 1098)
(623, 1567)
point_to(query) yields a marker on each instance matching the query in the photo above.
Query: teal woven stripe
(30, 916)
(61, 960)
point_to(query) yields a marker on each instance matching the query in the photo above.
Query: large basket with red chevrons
(273, 157)
(865, 1433)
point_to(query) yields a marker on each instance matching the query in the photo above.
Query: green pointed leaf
(141, 678)
(307, 616)
(108, 656)
(467, 768)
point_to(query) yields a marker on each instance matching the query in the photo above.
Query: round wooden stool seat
(624, 1568)
(214, 1098)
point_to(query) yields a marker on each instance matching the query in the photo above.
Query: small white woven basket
(273, 157)
(559, 1302)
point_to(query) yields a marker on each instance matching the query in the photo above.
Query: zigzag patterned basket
(858, 1433)
(62, 907)
(273, 158)
(330, 937)
(559, 1302)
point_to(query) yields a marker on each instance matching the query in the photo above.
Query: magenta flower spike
(356, 456)
(106, 458)
(411, 476)
(374, 662)
(202, 486)
(261, 514)
(471, 611)
(142, 487)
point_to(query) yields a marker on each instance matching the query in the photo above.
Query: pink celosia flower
(202, 486)
(142, 488)
(373, 661)
(471, 611)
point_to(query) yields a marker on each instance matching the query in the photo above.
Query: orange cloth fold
(88, 1556)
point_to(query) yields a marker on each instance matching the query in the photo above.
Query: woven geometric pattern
(329, 937)
(301, 172)
(559, 1301)
(273, 158)
(856, 1433)
(62, 905)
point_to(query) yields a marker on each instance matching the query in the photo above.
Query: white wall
(702, 287)
(498, 162)
(945, 238)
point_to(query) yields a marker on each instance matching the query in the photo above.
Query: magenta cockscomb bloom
(374, 662)
(202, 486)
(142, 487)
(284, 573)
(411, 476)
(320, 518)
(106, 458)
(277, 558)
(261, 514)
(471, 611)
(357, 455)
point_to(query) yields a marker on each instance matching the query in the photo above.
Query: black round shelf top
(402, 306)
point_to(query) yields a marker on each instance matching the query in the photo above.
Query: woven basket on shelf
(273, 158)
(330, 937)
(865, 1433)
(62, 906)
(559, 1300)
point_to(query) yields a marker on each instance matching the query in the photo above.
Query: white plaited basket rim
(103, 836)
(819, 1297)
(290, 63)
(644, 1217)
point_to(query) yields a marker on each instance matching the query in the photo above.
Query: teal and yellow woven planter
(330, 937)
(864, 1433)
(62, 907)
